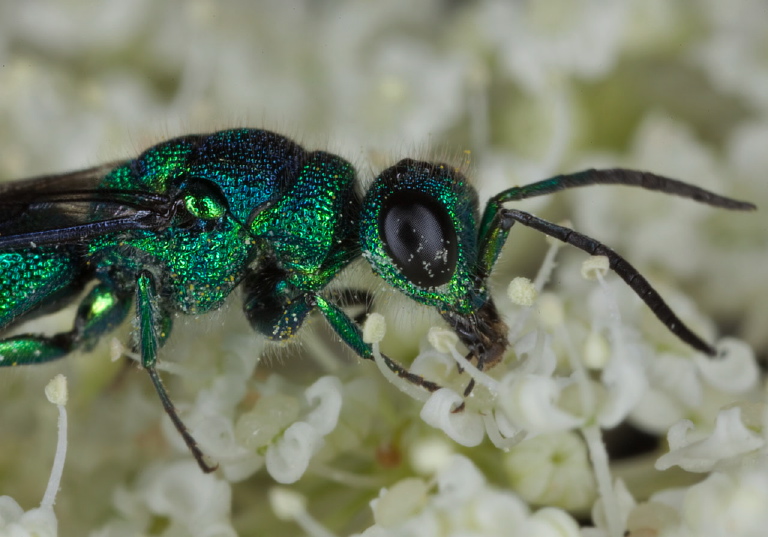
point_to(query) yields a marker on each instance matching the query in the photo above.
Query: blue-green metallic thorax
(282, 202)
(196, 270)
(251, 167)
(315, 215)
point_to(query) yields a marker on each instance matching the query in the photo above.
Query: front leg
(150, 325)
(277, 313)
(271, 305)
(351, 334)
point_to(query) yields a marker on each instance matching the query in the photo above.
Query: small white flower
(288, 457)
(530, 403)
(551, 522)
(188, 497)
(463, 504)
(552, 469)
(734, 371)
(429, 455)
(325, 393)
(678, 375)
(611, 512)
(535, 349)
(191, 502)
(14, 522)
(727, 504)
(731, 54)
(464, 427)
(288, 433)
(404, 499)
(695, 387)
(624, 376)
(458, 481)
(539, 41)
(696, 453)
(438, 367)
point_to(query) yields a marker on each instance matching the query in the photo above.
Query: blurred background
(513, 91)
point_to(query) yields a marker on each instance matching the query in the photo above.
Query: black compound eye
(419, 236)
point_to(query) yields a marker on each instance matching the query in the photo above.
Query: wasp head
(419, 232)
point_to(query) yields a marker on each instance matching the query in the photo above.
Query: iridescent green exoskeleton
(177, 229)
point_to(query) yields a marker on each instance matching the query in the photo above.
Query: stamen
(522, 291)
(56, 392)
(542, 277)
(599, 457)
(403, 500)
(373, 332)
(429, 455)
(596, 351)
(551, 311)
(374, 329)
(594, 267)
(290, 505)
(445, 341)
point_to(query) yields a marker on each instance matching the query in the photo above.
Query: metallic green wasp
(177, 229)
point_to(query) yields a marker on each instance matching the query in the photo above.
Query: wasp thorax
(419, 237)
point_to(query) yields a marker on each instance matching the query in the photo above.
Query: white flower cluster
(191, 502)
(511, 92)
(464, 502)
(282, 431)
(545, 401)
(41, 521)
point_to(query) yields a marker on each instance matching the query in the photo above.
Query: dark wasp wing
(73, 207)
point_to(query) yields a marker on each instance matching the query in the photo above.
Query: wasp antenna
(620, 266)
(621, 176)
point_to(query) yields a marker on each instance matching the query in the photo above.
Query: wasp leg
(270, 304)
(102, 309)
(277, 310)
(150, 324)
(279, 315)
(350, 333)
(352, 298)
(504, 220)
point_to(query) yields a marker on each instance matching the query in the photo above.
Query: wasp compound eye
(419, 236)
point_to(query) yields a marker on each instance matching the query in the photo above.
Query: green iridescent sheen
(30, 278)
(199, 268)
(304, 226)
(452, 191)
(177, 229)
(100, 311)
(148, 313)
(251, 194)
(292, 199)
(24, 350)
